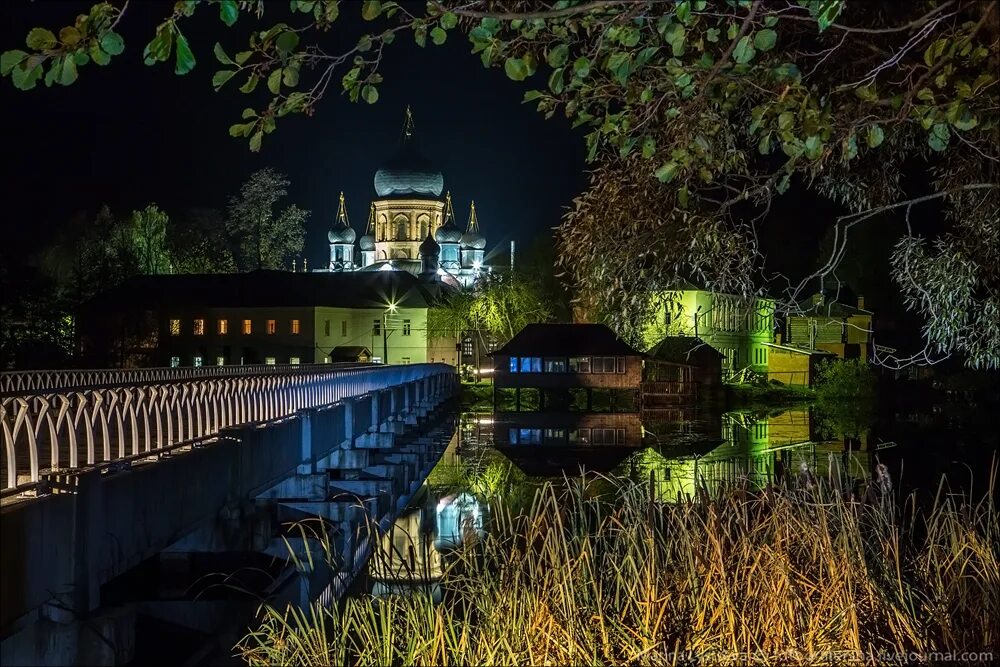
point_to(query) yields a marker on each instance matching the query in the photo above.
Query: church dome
(448, 233)
(408, 173)
(367, 242)
(341, 235)
(473, 240)
(429, 248)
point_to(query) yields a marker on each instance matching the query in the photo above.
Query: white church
(409, 219)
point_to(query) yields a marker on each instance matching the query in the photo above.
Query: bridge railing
(72, 425)
(20, 382)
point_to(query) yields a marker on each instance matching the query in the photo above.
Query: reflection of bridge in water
(118, 482)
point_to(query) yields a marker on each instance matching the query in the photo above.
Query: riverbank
(808, 572)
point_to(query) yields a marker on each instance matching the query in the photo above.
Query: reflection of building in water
(459, 520)
(407, 554)
(758, 449)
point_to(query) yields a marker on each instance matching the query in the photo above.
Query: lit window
(376, 327)
(326, 360)
(467, 347)
(343, 328)
(175, 327)
(220, 361)
(223, 327)
(531, 364)
(296, 327)
(272, 327)
(197, 362)
(269, 361)
(294, 361)
(579, 364)
(247, 327)
(555, 365)
(175, 362)
(406, 327)
(513, 364)
(199, 327)
(326, 328)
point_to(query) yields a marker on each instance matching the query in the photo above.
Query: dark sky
(128, 134)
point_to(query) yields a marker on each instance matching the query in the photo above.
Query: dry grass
(782, 576)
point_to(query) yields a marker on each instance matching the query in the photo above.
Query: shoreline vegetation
(811, 570)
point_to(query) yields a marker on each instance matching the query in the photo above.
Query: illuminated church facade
(408, 222)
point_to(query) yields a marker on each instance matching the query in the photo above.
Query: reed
(786, 575)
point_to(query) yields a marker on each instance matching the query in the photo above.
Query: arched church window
(400, 231)
(401, 254)
(423, 228)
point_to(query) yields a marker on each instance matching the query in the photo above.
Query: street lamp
(385, 332)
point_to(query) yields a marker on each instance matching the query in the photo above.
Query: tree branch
(915, 23)
(546, 14)
(732, 47)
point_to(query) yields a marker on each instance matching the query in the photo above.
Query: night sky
(128, 134)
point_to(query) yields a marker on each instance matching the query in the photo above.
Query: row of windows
(585, 436)
(222, 327)
(573, 364)
(198, 362)
(377, 327)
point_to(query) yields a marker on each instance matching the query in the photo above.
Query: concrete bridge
(105, 472)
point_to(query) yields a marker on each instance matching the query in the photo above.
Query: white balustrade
(54, 421)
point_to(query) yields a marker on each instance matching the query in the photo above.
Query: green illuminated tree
(199, 244)
(147, 230)
(697, 114)
(265, 239)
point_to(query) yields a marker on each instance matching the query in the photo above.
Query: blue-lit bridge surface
(103, 470)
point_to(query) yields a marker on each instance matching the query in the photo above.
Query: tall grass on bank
(801, 573)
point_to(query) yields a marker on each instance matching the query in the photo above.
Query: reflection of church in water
(408, 222)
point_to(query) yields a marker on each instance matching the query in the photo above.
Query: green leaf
(712, 35)
(286, 42)
(449, 20)
(765, 39)
(67, 74)
(646, 95)
(9, 59)
(240, 129)
(249, 113)
(112, 43)
(786, 120)
(683, 11)
(371, 9)
(69, 36)
(255, 141)
(744, 51)
(220, 78)
(290, 75)
(556, 80)
(490, 25)
(221, 56)
(369, 94)
(645, 56)
(40, 39)
(185, 58)
(251, 84)
(243, 56)
(420, 36)
(939, 137)
(875, 136)
(620, 64)
(814, 147)
(532, 95)
(438, 36)
(274, 81)
(26, 75)
(229, 11)
(935, 51)
(557, 55)
(732, 31)
(581, 67)
(648, 147)
(98, 55)
(764, 145)
(516, 69)
(667, 171)
(675, 36)
(828, 12)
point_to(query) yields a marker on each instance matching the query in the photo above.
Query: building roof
(267, 288)
(349, 352)
(800, 350)
(834, 309)
(566, 340)
(683, 350)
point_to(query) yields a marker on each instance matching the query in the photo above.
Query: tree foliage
(696, 113)
(498, 306)
(199, 243)
(265, 238)
(148, 241)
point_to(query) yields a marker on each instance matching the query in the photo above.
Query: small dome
(473, 240)
(367, 242)
(341, 235)
(430, 247)
(448, 233)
